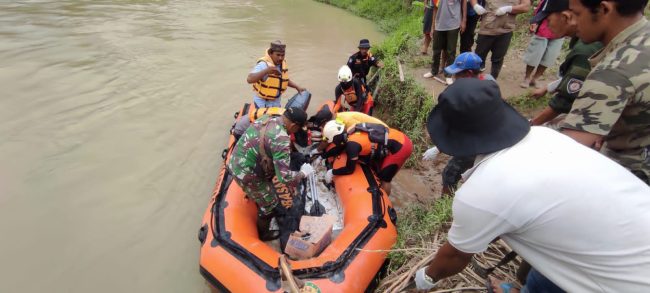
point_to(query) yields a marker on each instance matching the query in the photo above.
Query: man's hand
(594, 141)
(503, 10)
(480, 10)
(463, 25)
(538, 93)
(273, 70)
(533, 28)
(422, 281)
(300, 89)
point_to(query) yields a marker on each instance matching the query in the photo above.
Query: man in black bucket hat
(548, 197)
(473, 119)
(361, 61)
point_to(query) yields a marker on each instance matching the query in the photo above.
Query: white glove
(479, 9)
(328, 176)
(551, 87)
(430, 154)
(306, 170)
(422, 281)
(503, 10)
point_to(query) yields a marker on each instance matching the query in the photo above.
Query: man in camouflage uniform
(574, 69)
(269, 136)
(612, 111)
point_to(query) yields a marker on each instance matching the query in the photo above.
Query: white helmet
(333, 128)
(345, 74)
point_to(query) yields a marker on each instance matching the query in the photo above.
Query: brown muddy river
(113, 115)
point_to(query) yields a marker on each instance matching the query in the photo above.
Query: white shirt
(579, 218)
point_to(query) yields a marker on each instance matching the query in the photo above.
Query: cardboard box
(315, 234)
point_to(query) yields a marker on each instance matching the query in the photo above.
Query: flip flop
(505, 287)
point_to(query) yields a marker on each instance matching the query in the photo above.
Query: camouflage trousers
(267, 194)
(636, 160)
(260, 190)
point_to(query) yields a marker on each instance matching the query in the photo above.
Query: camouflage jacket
(615, 98)
(246, 155)
(574, 71)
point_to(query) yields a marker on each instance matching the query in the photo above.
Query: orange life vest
(274, 85)
(271, 111)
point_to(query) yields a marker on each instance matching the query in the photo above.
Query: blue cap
(464, 61)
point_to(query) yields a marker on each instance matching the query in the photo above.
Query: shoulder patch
(573, 86)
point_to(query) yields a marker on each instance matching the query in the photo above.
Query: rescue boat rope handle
(286, 274)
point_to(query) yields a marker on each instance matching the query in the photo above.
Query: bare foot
(533, 83)
(500, 286)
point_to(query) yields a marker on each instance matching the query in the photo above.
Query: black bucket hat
(364, 44)
(471, 118)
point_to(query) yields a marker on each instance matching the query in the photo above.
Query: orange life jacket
(274, 85)
(271, 111)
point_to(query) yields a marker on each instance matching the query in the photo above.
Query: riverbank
(424, 216)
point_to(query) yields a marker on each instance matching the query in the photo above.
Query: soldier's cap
(364, 44)
(277, 46)
(296, 115)
(471, 118)
(549, 7)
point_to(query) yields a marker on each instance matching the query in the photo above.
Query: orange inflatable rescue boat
(234, 259)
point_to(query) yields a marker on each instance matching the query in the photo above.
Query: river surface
(113, 115)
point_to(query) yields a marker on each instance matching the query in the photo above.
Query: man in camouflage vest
(261, 159)
(612, 111)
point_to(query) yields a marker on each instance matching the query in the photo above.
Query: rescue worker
(270, 77)
(361, 61)
(350, 94)
(385, 153)
(326, 113)
(260, 163)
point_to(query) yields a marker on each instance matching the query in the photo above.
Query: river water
(113, 115)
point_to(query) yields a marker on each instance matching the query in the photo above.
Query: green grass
(417, 225)
(527, 105)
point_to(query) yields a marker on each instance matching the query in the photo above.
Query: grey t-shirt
(449, 15)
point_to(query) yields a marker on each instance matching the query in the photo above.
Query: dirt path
(511, 75)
